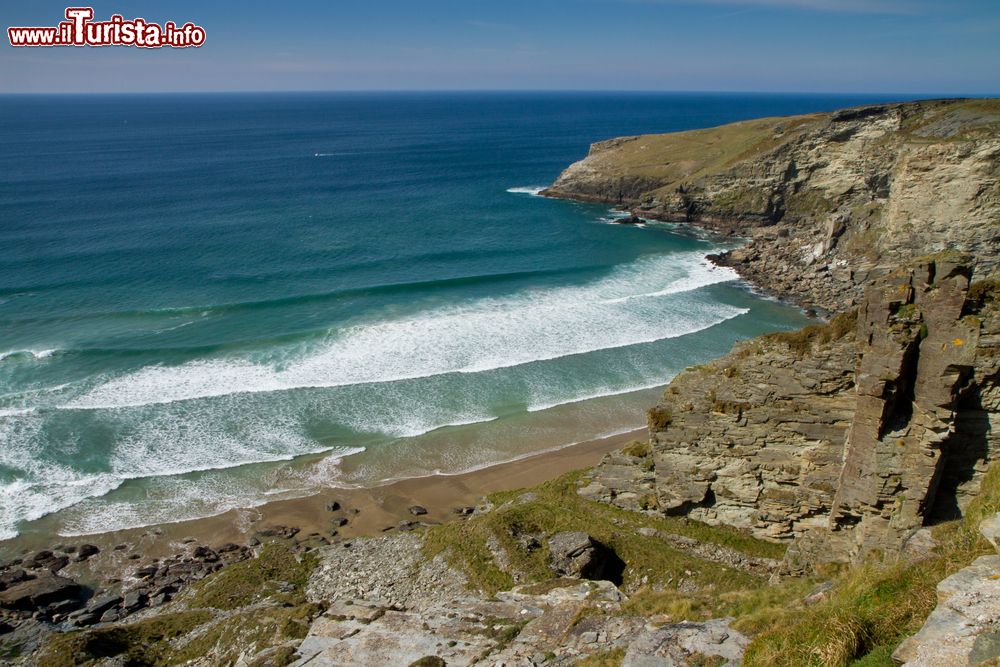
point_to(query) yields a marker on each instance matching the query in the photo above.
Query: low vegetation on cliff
(255, 607)
(506, 546)
(871, 608)
(827, 200)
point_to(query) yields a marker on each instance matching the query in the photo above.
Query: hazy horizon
(905, 48)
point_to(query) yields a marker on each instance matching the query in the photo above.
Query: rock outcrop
(964, 628)
(712, 642)
(828, 200)
(574, 554)
(846, 438)
(753, 440)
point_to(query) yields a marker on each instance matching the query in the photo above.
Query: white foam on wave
(602, 393)
(165, 444)
(636, 304)
(34, 354)
(42, 486)
(157, 444)
(393, 409)
(16, 412)
(180, 499)
(614, 216)
(533, 190)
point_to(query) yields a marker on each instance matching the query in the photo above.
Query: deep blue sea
(209, 301)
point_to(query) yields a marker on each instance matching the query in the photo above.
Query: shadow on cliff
(966, 448)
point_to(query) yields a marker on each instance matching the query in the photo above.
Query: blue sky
(891, 46)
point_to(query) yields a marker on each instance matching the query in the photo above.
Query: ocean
(212, 301)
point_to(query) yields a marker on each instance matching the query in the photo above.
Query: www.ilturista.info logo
(79, 29)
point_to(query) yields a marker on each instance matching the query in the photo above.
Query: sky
(861, 46)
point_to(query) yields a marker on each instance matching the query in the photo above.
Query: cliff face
(752, 440)
(849, 437)
(829, 201)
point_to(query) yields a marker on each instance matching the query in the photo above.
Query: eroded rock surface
(829, 200)
(681, 644)
(964, 628)
(846, 439)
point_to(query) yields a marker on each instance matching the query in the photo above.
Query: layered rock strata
(828, 200)
(850, 436)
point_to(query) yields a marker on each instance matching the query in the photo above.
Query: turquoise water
(211, 301)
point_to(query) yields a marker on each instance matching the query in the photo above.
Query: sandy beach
(368, 511)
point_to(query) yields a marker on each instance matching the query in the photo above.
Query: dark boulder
(632, 219)
(577, 555)
(134, 600)
(85, 551)
(35, 593)
(11, 577)
(99, 604)
(282, 532)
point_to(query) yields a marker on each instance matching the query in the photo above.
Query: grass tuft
(638, 449)
(140, 643)
(801, 342)
(659, 417)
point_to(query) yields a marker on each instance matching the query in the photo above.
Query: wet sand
(378, 508)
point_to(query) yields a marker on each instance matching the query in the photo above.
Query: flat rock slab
(678, 644)
(460, 634)
(33, 593)
(964, 629)
(990, 529)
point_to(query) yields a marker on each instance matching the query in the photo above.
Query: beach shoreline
(367, 511)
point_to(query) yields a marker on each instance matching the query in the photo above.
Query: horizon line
(619, 91)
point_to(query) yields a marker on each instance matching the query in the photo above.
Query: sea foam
(639, 303)
(527, 190)
(37, 355)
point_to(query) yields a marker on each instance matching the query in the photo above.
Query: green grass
(241, 584)
(554, 507)
(754, 607)
(801, 342)
(609, 658)
(137, 644)
(669, 162)
(659, 417)
(267, 594)
(178, 638)
(247, 632)
(638, 449)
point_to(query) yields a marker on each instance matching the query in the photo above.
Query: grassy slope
(682, 158)
(554, 507)
(866, 614)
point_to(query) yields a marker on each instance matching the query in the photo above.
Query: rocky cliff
(850, 437)
(830, 201)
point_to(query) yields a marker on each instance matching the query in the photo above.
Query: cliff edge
(844, 439)
(829, 201)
